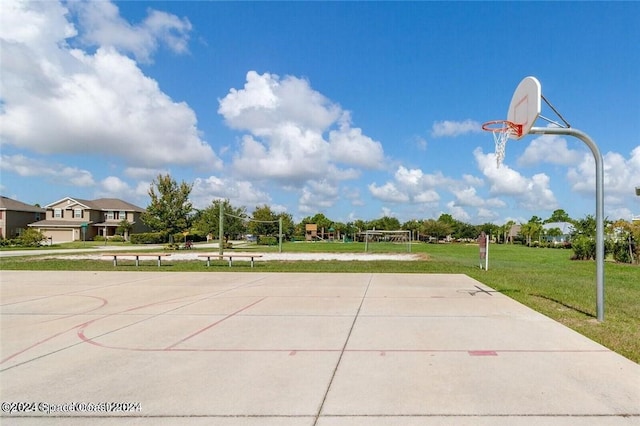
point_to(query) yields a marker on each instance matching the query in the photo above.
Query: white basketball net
(500, 137)
(502, 130)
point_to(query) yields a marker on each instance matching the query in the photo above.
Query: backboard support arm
(599, 205)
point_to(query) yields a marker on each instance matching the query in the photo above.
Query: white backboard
(525, 105)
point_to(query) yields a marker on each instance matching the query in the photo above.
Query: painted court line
(214, 324)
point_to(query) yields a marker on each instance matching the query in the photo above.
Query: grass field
(543, 279)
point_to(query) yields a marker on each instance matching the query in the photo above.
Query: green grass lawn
(543, 279)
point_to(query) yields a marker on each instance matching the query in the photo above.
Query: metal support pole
(280, 234)
(221, 229)
(599, 205)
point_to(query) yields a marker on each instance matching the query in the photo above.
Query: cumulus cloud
(458, 212)
(58, 173)
(531, 193)
(411, 185)
(318, 196)
(449, 128)
(239, 192)
(550, 149)
(58, 99)
(621, 175)
(388, 193)
(294, 133)
(102, 25)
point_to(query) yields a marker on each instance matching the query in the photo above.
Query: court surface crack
(344, 347)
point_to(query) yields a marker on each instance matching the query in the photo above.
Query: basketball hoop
(502, 130)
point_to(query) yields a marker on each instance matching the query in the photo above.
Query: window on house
(57, 213)
(110, 215)
(122, 215)
(37, 215)
(77, 213)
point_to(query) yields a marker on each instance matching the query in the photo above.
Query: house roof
(55, 224)
(102, 204)
(7, 203)
(565, 227)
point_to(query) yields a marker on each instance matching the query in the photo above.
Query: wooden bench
(209, 256)
(159, 256)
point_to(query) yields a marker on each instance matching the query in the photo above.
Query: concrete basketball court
(227, 348)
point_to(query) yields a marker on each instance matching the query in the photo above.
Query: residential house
(74, 219)
(16, 215)
(566, 229)
(513, 233)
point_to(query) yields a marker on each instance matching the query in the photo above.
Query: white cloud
(238, 192)
(63, 100)
(55, 172)
(468, 197)
(454, 128)
(388, 193)
(550, 149)
(144, 173)
(621, 175)
(458, 212)
(531, 193)
(114, 184)
(102, 25)
(317, 196)
(412, 185)
(286, 121)
(350, 146)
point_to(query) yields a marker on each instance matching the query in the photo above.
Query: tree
(207, 220)
(435, 228)
(124, 228)
(265, 221)
(531, 228)
(288, 226)
(170, 208)
(554, 233)
(385, 223)
(414, 227)
(558, 215)
(491, 229)
(505, 230)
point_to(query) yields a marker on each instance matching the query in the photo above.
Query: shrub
(621, 252)
(266, 240)
(31, 237)
(584, 248)
(148, 238)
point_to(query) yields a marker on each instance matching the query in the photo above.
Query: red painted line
(104, 303)
(36, 344)
(213, 324)
(483, 353)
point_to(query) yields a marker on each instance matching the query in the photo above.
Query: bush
(621, 252)
(265, 240)
(31, 238)
(584, 248)
(117, 239)
(148, 238)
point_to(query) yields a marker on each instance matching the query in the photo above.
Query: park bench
(230, 257)
(137, 256)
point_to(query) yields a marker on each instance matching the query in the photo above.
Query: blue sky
(351, 109)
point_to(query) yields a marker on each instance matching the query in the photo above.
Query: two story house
(74, 219)
(16, 215)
